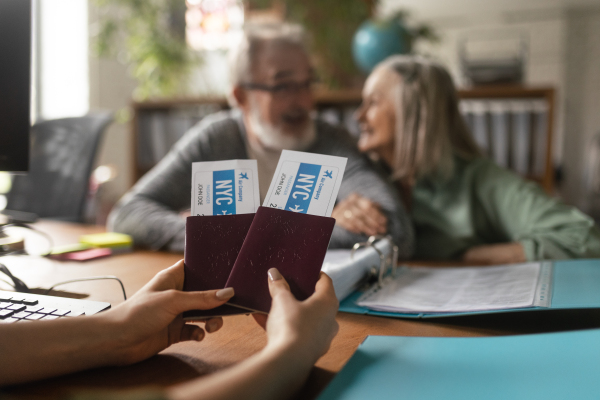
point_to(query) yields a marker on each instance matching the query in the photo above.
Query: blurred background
(528, 73)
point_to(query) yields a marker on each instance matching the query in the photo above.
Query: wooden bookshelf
(546, 95)
(349, 99)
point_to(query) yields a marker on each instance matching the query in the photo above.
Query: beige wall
(111, 89)
(582, 116)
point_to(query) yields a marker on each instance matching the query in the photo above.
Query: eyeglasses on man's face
(282, 89)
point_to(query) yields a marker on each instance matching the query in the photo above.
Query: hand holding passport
(235, 248)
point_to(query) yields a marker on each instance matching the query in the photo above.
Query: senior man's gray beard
(272, 138)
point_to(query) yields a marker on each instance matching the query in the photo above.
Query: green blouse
(483, 203)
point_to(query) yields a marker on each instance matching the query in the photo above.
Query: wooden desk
(240, 336)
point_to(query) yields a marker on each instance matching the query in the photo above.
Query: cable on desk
(8, 283)
(92, 278)
(31, 228)
(13, 253)
(19, 285)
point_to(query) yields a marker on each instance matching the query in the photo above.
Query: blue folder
(550, 366)
(575, 285)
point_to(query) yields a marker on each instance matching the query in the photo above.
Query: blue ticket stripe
(224, 192)
(303, 188)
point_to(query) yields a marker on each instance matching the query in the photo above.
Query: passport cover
(293, 243)
(212, 243)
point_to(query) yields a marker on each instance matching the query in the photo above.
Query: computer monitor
(15, 84)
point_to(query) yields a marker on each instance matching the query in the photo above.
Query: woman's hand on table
(358, 214)
(151, 320)
(501, 253)
(308, 326)
(298, 333)
(147, 323)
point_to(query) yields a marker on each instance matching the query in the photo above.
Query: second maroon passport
(212, 244)
(293, 243)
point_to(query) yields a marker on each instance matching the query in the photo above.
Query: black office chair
(62, 156)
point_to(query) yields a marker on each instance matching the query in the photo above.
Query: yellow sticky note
(107, 239)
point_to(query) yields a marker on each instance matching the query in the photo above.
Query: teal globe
(375, 41)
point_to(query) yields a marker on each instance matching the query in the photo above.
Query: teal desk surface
(547, 366)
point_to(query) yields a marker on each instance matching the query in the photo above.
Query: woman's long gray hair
(429, 126)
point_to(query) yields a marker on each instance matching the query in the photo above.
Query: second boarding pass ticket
(225, 187)
(306, 183)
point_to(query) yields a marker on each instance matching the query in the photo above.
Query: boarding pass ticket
(306, 183)
(225, 187)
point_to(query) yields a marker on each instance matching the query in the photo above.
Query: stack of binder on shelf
(426, 292)
(513, 132)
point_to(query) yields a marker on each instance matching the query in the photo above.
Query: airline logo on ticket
(306, 183)
(225, 187)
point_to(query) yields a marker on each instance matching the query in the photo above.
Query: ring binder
(391, 261)
(566, 285)
(373, 272)
(360, 267)
(393, 257)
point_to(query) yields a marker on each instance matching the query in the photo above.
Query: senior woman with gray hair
(462, 204)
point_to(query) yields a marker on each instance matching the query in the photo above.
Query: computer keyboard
(22, 307)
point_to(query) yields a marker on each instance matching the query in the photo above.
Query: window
(61, 56)
(214, 24)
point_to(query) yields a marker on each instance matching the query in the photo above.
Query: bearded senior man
(271, 78)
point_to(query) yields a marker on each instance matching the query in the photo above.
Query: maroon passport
(293, 243)
(212, 243)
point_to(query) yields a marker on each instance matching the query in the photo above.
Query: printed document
(431, 290)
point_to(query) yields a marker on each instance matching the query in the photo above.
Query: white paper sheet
(431, 290)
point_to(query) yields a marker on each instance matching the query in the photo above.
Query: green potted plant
(149, 36)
